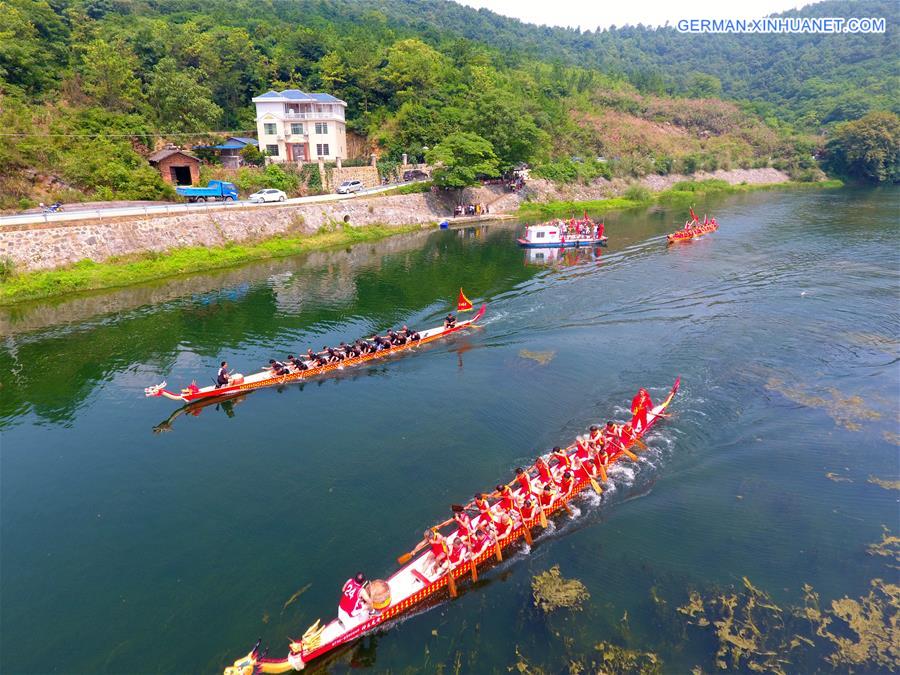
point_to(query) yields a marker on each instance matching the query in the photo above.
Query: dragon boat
(240, 384)
(693, 229)
(416, 583)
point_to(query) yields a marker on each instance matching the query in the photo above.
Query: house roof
(160, 155)
(297, 95)
(236, 143)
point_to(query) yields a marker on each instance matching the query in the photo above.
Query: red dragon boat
(693, 229)
(241, 384)
(416, 582)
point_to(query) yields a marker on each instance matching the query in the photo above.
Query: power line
(159, 134)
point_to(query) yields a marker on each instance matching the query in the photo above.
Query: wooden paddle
(602, 470)
(472, 566)
(451, 582)
(497, 552)
(543, 515)
(406, 557)
(640, 443)
(526, 528)
(595, 485)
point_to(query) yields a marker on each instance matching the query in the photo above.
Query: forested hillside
(89, 86)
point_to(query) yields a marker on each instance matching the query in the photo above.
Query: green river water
(133, 543)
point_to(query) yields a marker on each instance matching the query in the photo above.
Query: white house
(294, 126)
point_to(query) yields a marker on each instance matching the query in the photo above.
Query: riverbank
(638, 196)
(41, 262)
(87, 275)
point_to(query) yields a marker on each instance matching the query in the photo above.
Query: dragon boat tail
(416, 583)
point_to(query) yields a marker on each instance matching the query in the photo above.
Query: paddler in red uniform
(355, 601)
(485, 517)
(627, 436)
(581, 447)
(583, 468)
(529, 509)
(437, 544)
(463, 522)
(546, 499)
(600, 458)
(562, 459)
(640, 406)
(543, 470)
(506, 497)
(504, 525)
(596, 435)
(566, 483)
(457, 552)
(524, 480)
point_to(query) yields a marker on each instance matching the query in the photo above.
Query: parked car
(349, 186)
(268, 195)
(414, 174)
(217, 190)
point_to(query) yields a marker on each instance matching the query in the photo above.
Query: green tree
(702, 85)
(461, 159)
(180, 104)
(252, 156)
(868, 148)
(502, 120)
(412, 67)
(109, 75)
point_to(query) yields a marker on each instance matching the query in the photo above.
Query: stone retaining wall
(368, 175)
(50, 245)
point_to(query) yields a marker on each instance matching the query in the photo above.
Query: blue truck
(217, 190)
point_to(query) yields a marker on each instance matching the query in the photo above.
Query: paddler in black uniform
(277, 367)
(297, 363)
(449, 322)
(223, 375)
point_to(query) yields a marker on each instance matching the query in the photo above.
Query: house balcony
(290, 116)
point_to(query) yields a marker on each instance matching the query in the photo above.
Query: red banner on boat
(463, 304)
(694, 217)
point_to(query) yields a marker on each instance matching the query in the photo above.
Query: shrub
(709, 185)
(566, 171)
(7, 269)
(637, 193)
(311, 178)
(252, 156)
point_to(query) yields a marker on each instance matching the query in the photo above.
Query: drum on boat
(380, 593)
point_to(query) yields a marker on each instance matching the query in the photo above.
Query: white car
(349, 186)
(268, 195)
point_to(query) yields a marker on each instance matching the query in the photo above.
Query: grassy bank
(115, 272)
(686, 192)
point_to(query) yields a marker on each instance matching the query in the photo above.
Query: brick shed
(176, 166)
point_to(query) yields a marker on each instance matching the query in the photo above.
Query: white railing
(165, 209)
(313, 116)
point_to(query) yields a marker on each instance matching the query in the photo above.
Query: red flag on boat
(694, 215)
(463, 304)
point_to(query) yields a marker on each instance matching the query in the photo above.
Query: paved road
(73, 213)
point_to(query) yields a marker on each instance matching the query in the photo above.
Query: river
(135, 542)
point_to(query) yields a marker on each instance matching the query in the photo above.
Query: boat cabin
(542, 234)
